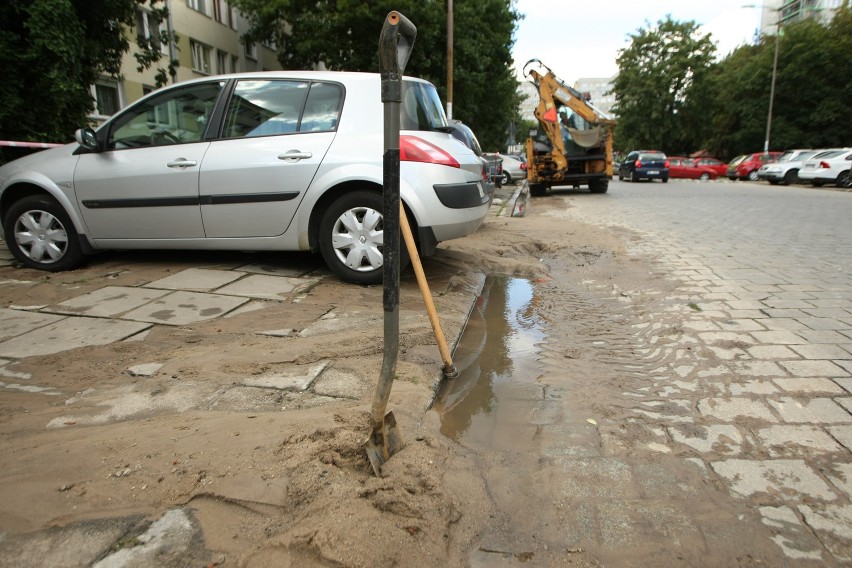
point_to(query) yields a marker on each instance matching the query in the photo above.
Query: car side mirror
(87, 138)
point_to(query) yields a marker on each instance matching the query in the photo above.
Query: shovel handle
(449, 368)
(395, 44)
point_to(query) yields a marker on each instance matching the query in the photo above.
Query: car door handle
(295, 156)
(181, 163)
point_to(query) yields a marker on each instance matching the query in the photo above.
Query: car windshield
(421, 107)
(804, 156)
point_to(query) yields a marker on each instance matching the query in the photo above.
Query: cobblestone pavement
(758, 386)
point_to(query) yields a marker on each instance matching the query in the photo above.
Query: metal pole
(772, 89)
(449, 59)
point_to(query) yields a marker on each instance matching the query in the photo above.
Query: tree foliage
(344, 35)
(672, 96)
(660, 87)
(52, 51)
(813, 84)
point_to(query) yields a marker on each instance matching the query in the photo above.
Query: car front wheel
(704, 177)
(752, 175)
(41, 235)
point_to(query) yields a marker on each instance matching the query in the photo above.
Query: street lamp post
(772, 88)
(774, 73)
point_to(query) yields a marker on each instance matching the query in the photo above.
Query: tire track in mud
(599, 482)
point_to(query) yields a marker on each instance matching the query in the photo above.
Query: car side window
(265, 108)
(174, 117)
(322, 111)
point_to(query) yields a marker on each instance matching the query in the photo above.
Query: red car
(720, 167)
(747, 166)
(685, 168)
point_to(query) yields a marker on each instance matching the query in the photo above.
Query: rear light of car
(414, 149)
(523, 165)
(824, 165)
(666, 165)
(638, 163)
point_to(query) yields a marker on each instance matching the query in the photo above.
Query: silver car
(514, 170)
(289, 160)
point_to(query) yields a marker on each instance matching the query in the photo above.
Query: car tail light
(523, 165)
(666, 164)
(638, 163)
(414, 149)
(824, 165)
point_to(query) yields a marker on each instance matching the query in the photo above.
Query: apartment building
(208, 43)
(599, 90)
(789, 11)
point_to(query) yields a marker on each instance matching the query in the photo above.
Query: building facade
(783, 12)
(599, 89)
(208, 42)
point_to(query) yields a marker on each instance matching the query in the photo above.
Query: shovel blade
(384, 441)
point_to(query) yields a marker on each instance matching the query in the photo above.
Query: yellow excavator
(573, 145)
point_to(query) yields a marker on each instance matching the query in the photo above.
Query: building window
(221, 62)
(251, 50)
(218, 14)
(232, 18)
(200, 57)
(107, 98)
(235, 64)
(198, 5)
(148, 29)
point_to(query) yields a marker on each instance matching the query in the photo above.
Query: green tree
(52, 51)
(661, 87)
(812, 87)
(344, 35)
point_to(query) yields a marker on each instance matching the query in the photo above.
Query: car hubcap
(41, 237)
(357, 238)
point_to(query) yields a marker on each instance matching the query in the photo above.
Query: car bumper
(651, 174)
(770, 176)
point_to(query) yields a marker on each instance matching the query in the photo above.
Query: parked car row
(817, 167)
(289, 160)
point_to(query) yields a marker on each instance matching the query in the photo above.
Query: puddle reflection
(496, 360)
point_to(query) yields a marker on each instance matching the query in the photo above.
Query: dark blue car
(644, 164)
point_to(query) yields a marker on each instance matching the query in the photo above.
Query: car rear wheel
(666, 180)
(630, 176)
(843, 179)
(351, 237)
(537, 189)
(41, 235)
(507, 179)
(752, 175)
(704, 177)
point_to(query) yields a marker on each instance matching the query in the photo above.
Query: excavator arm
(553, 94)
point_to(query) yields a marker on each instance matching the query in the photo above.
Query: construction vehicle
(573, 145)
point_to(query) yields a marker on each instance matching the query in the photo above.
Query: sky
(582, 39)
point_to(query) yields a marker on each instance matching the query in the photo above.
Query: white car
(513, 169)
(830, 167)
(289, 160)
(786, 169)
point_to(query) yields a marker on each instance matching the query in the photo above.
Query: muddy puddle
(497, 360)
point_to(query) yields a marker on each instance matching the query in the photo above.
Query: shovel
(395, 43)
